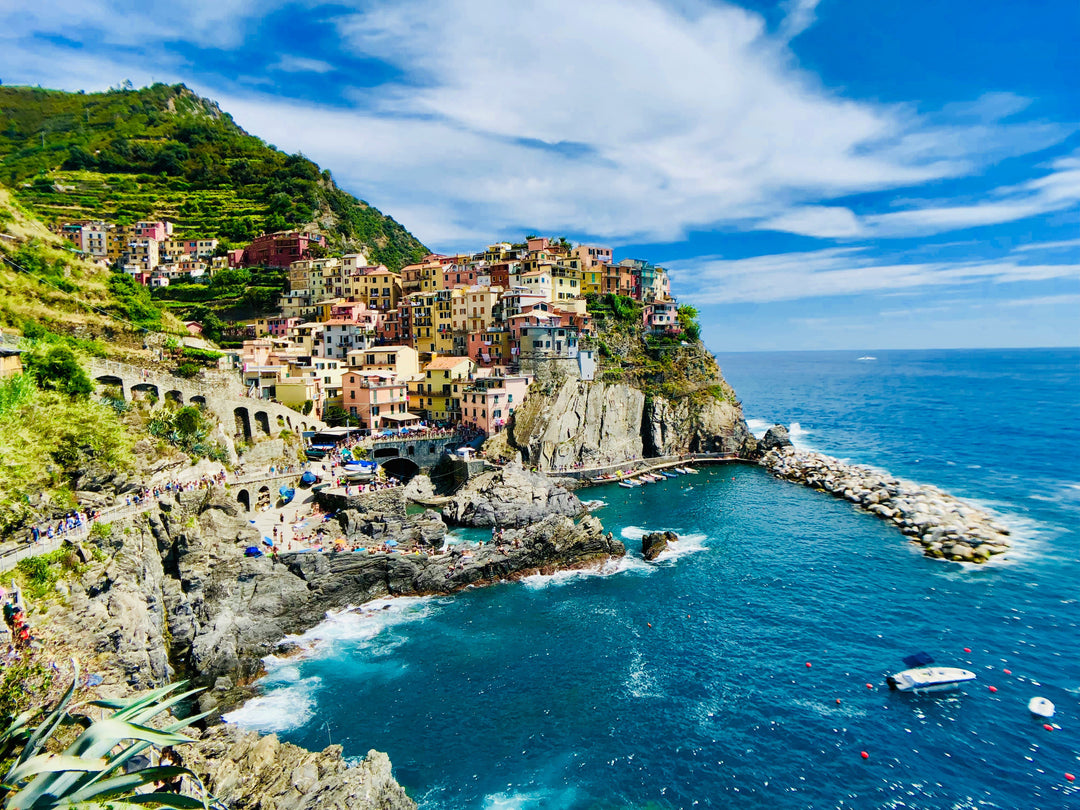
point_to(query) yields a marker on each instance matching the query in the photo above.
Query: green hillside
(163, 151)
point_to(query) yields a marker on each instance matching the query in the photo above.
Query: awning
(401, 417)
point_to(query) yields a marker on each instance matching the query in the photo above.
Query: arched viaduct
(219, 392)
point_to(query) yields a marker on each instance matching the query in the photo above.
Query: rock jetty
(946, 527)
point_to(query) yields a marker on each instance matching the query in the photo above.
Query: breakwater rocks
(656, 543)
(511, 496)
(946, 527)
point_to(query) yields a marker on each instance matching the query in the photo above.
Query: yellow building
(379, 288)
(401, 360)
(480, 303)
(10, 361)
(435, 394)
(445, 321)
(423, 321)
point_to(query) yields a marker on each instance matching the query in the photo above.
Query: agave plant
(89, 773)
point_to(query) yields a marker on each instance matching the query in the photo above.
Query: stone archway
(111, 381)
(198, 400)
(175, 396)
(403, 469)
(280, 422)
(145, 390)
(243, 423)
(263, 422)
(385, 452)
(244, 499)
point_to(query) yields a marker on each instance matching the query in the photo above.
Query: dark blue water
(557, 692)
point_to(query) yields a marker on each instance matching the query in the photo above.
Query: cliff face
(596, 423)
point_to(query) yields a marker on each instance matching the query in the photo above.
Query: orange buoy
(838, 701)
(864, 755)
(993, 688)
(1070, 777)
(967, 649)
(649, 623)
(1048, 727)
(1007, 671)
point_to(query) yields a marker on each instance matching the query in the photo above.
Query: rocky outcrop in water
(775, 438)
(247, 770)
(656, 543)
(946, 527)
(512, 496)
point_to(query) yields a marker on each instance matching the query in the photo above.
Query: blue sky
(816, 173)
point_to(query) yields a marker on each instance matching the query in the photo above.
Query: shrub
(188, 370)
(56, 368)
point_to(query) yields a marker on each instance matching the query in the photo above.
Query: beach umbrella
(391, 542)
(268, 541)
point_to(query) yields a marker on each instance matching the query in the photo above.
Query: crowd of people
(18, 628)
(73, 523)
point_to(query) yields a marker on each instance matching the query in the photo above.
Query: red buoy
(967, 649)
(864, 755)
(1048, 727)
(649, 624)
(808, 665)
(993, 688)
(1007, 671)
(1070, 777)
(838, 701)
(869, 686)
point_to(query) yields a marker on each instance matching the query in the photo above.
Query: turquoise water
(557, 693)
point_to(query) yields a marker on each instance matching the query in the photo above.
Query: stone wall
(389, 502)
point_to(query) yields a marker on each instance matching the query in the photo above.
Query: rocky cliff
(592, 424)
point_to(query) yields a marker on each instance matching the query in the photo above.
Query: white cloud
(301, 64)
(628, 120)
(800, 15)
(1056, 191)
(841, 272)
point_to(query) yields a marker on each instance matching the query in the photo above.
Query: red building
(280, 249)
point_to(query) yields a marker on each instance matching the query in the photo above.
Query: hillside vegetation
(55, 290)
(163, 151)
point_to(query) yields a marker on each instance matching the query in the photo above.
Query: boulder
(775, 437)
(656, 543)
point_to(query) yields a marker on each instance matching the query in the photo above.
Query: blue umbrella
(268, 541)
(391, 542)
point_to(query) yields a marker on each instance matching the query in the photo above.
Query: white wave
(796, 432)
(594, 504)
(640, 682)
(531, 799)
(686, 544)
(759, 426)
(354, 624)
(284, 708)
(609, 568)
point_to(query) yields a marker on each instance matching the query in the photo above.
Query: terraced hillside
(163, 151)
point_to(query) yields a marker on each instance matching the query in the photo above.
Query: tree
(335, 416)
(687, 316)
(57, 369)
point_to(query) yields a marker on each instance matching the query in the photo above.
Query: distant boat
(1041, 706)
(626, 485)
(928, 679)
(867, 357)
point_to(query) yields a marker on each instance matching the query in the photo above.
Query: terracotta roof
(445, 363)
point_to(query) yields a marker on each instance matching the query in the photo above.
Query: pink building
(489, 402)
(661, 317)
(152, 230)
(376, 398)
(279, 327)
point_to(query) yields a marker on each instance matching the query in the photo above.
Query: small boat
(867, 357)
(922, 678)
(308, 478)
(667, 474)
(626, 484)
(690, 470)
(1041, 706)
(287, 493)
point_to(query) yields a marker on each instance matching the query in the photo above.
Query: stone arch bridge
(220, 392)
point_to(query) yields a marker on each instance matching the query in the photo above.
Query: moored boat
(1041, 707)
(921, 678)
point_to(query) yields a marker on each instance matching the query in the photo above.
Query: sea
(746, 667)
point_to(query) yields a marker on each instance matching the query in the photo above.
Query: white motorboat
(929, 679)
(1041, 706)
